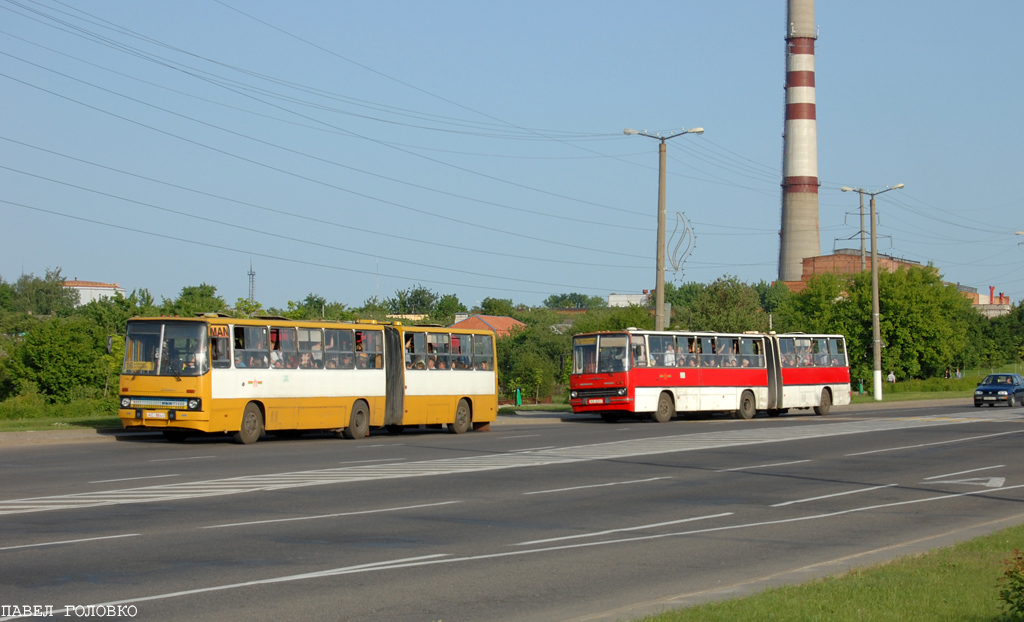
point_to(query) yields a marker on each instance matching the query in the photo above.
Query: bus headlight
(193, 404)
(622, 391)
(573, 395)
(126, 402)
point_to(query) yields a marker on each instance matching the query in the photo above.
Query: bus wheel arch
(666, 408)
(463, 417)
(825, 405)
(358, 421)
(748, 406)
(252, 425)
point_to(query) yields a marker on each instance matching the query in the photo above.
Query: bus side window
(483, 352)
(220, 352)
(837, 352)
(820, 349)
(788, 352)
(639, 351)
(707, 352)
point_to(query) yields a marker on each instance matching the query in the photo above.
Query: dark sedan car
(1000, 389)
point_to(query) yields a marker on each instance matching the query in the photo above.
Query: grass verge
(867, 398)
(956, 583)
(59, 423)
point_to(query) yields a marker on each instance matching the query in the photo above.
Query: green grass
(867, 398)
(511, 410)
(958, 583)
(94, 422)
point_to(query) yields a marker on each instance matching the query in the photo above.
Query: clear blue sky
(355, 149)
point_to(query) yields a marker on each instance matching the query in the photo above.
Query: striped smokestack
(799, 237)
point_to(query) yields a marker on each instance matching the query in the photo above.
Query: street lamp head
(897, 186)
(846, 189)
(629, 132)
(695, 130)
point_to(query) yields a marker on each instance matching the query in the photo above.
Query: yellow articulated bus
(245, 377)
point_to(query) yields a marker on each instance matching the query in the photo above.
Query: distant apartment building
(626, 300)
(89, 291)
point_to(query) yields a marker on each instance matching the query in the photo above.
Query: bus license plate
(155, 415)
(596, 400)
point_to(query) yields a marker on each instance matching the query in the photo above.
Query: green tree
(614, 318)
(497, 306)
(445, 309)
(195, 299)
(61, 356)
(415, 300)
(727, 305)
(682, 296)
(574, 301)
(773, 296)
(925, 324)
(373, 309)
(45, 296)
(246, 308)
(532, 373)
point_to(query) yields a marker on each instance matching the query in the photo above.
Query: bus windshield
(166, 349)
(600, 353)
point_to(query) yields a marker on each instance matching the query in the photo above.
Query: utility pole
(659, 283)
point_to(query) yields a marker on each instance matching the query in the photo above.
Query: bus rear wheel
(666, 409)
(748, 407)
(463, 418)
(825, 405)
(252, 426)
(358, 423)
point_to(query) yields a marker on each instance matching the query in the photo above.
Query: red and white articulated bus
(635, 373)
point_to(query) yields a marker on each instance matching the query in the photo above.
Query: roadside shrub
(1011, 591)
(36, 406)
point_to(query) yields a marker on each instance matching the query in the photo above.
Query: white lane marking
(988, 482)
(505, 438)
(838, 494)
(521, 451)
(398, 563)
(285, 520)
(381, 445)
(998, 466)
(635, 481)
(429, 560)
(761, 466)
(28, 546)
(612, 450)
(128, 479)
(595, 534)
(176, 459)
(375, 460)
(956, 440)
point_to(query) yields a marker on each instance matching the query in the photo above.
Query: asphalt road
(535, 520)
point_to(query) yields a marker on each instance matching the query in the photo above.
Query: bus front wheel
(252, 426)
(825, 405)
(463, 418)
(666, 409)
(358, 423)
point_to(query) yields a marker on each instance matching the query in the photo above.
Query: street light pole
(659, 283)
(876, 328)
